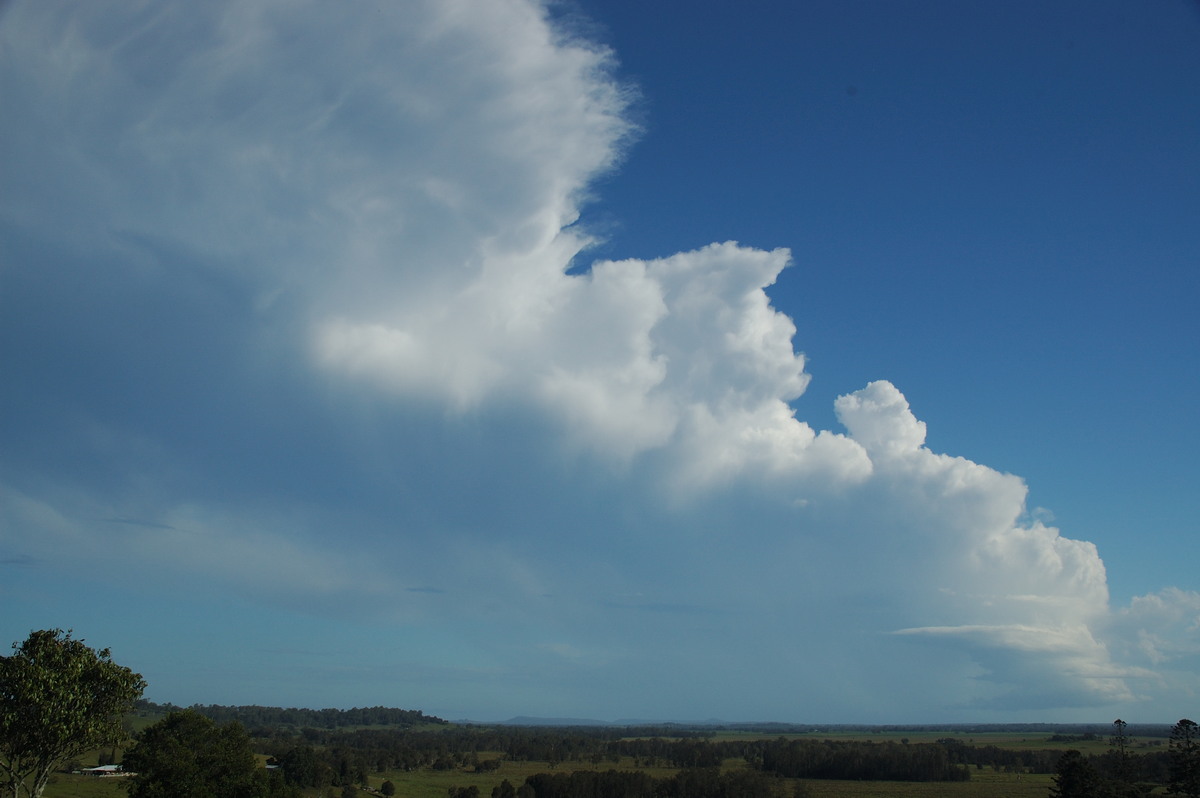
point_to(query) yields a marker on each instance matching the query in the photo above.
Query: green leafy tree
(303, 768)
(1185, 759)
(1075, 777)
(58, 699)
(186, 755)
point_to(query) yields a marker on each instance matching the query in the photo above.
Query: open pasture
(983, 785)
(1009, 740)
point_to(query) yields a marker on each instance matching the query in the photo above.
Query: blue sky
(829, 362)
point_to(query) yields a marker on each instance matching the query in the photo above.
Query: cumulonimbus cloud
(391, 201)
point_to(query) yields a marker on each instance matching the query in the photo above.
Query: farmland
(420, 757)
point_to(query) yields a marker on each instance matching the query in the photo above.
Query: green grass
(1006, 740)
(427, 783)
(66, 785)
(981, 785)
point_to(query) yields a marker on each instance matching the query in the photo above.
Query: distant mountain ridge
(713, 724)
(529, 720)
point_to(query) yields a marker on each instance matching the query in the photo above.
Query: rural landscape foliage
(66, 709)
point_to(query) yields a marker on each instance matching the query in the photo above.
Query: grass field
(64, 785)
(986, 785)
(1007, 740)
(428, 783)
(983, 784)
(434, 784)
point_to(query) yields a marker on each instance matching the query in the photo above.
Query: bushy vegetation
(186, 755)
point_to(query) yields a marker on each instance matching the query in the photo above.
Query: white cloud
(878, 418)
(1040, 666)
(443, 419)
(1021, 599)
(1160, 633)
(684, 353)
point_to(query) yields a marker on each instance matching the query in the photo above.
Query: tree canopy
(1185, 759)
(58, 698)
(186, 755)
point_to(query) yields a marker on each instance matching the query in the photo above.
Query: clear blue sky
(403, 354)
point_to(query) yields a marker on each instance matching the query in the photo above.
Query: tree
(186, 755)
(1120, 745)
(1119, 762)
(1075, 777)
(1122, 767)
(58, 699)
(301, 767)
(1185, 759)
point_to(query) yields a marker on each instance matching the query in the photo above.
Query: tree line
(254, 717)
(1120, 773)
(868, 761)
(332, 759)
(690, 783)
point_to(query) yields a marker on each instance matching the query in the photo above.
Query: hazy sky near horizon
(797, 361)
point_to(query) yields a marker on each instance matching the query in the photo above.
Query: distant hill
(256, 716)
(1101, 730)
(527, 720)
